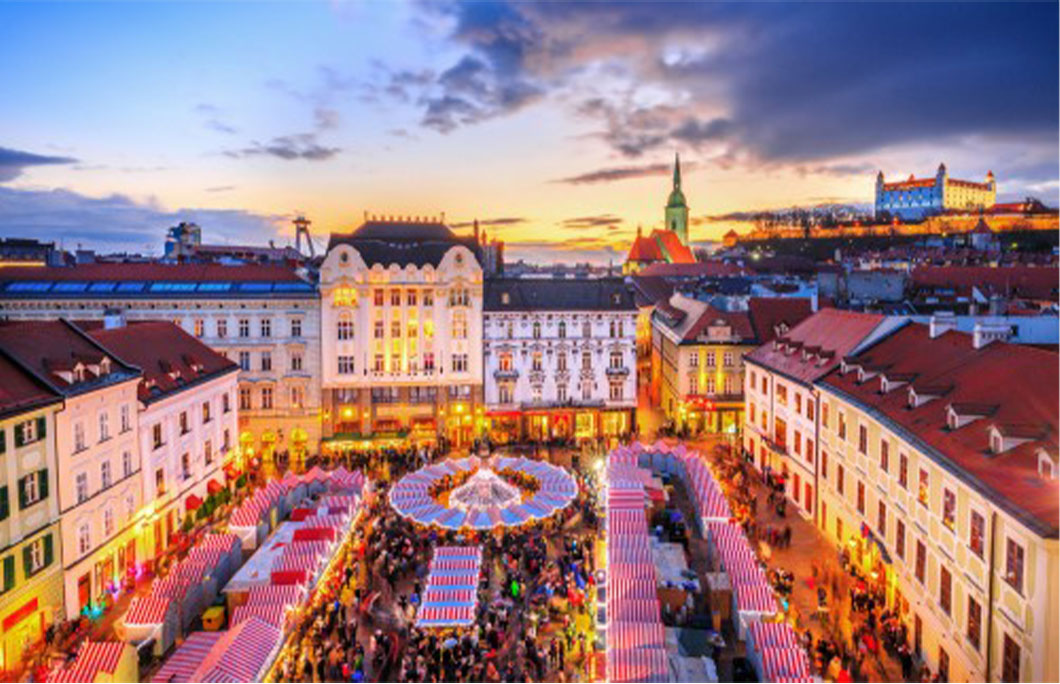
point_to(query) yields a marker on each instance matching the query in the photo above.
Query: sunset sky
(553, 124)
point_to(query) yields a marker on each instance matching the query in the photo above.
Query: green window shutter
(42, 483)
(42, 427)
(22, 492)
(5, 506)
(49, 551)
(9, 572)
(18, 435)
(27, 560)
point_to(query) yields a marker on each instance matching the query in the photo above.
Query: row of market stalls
(739, 581)
(450, 598)
(259, 603)
(294, 526)
(635, 638)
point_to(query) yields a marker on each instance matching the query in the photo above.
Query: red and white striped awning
(274, 613)
(291, 562)
(638, 665)
(619, 554)
(443, 595)
(772, 635)
(626, 522)
(330, 521)
(190, 570)
(275, 594)
(633, 610)
(241, 654)
(170, 587)
(180, 666)
(315, 474)
(623, 635)
(756, 598)
(644, 572)
(247, 515)
(458, 552)
(468, 580)
(785, 664)
(455, 564)
(209, 557)
(225, 542)
(93, 657)
(316, 547)
(147, 610)
(445, 616)
(630, 588)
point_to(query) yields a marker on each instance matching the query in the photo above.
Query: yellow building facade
(31, 575)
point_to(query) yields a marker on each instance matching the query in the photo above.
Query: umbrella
(480, 520)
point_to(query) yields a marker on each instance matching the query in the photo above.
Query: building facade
(782, 404)
(401, 327)
(264, 318)
(933, 462)
(187, 404)
(560, 359)
(697, 357)
(918, 198)
(97, 459)
(31, 593)
(941, 472)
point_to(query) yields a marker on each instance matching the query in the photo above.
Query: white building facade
(401, 335)
(560, 359)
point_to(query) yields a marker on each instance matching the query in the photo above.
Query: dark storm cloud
(493, 223)
(608, 221)
(796, 82)
(301, 146)
(13, 162)
(619, 173)
(118, 222)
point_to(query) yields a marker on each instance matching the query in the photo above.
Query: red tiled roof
(171, 359)
(831, 330)
(910, 184)
(1006, 376)
(20, 391)
(675, 251)
(767, 313)
(46, 347)
(153, 271)
(739, 321)
(1036, 282)
(644, 248)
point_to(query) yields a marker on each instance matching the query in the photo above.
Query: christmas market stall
(150, 618)
(100, 661)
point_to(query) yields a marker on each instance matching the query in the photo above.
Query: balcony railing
(509, 374)
(617, 370)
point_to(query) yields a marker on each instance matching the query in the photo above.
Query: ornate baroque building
(401, 334)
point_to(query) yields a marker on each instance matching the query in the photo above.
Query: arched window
(562, 329)
(537, 330)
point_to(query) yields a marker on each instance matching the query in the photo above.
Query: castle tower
(676, 207)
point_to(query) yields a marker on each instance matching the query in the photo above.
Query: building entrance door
(84, 591)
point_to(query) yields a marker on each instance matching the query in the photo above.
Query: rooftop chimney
(986, 332)
(942, 322)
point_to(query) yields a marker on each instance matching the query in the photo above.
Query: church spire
(677, 171)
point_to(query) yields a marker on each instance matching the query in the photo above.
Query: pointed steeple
(677, 171)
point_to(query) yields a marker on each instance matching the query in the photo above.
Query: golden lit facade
(401, 336)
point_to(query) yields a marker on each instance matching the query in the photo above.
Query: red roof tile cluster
(827, 336)
(153, 271)
(767, 314)
(20, 391)
(52, 350)
(1002, 382)
(660, 246)
(1011, 281)
(170, 358)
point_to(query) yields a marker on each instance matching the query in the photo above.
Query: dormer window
(1046, 465)
(104, 366)
(997, 442)
(953, 421)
